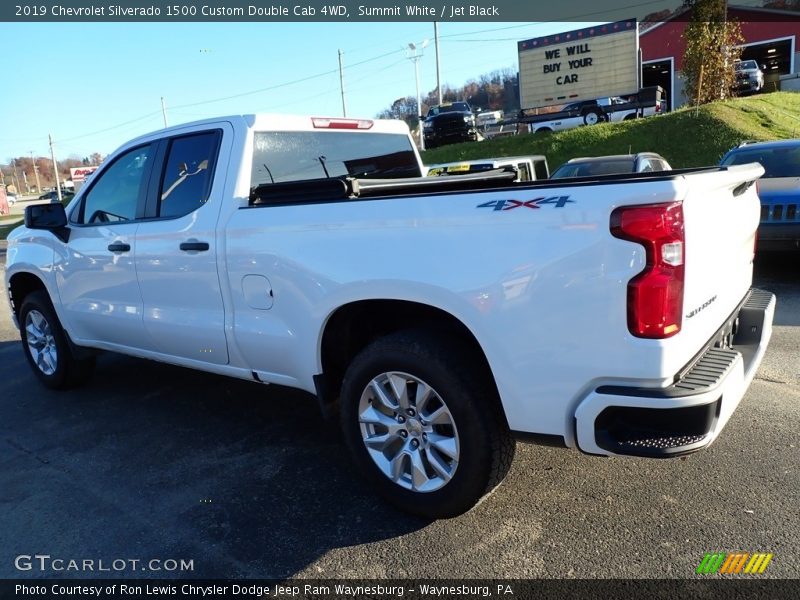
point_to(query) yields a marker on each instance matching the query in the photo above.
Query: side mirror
(763, 67)
(52, 217)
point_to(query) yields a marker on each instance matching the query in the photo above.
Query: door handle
(119, 247)
(194, 246)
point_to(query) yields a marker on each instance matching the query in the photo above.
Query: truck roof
(283, 122)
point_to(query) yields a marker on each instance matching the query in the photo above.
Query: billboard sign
(584, 64)
(80, 173)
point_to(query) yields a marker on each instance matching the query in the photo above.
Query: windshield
(454, 107)
(600, 167)
(777, 162)
(280, 156)
(745, 65)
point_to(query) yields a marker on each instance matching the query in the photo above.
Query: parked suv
(778, 190)
(449, 124)
(749, 76)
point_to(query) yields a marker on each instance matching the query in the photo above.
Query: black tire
(69, 370)
(543, 131)
(485, 446)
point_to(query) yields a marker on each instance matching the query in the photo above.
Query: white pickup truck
(609, 110)
(443, 317)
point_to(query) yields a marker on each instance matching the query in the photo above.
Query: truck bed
(350, 188)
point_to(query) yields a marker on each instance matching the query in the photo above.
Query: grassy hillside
(685, 138)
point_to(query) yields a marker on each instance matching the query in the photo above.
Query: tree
(404, 109)
(496, 90)
(712, 48)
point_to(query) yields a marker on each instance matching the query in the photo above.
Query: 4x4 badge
(556, 201)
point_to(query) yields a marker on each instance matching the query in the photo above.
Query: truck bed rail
(351, 188)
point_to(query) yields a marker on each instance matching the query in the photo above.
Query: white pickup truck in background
(527, 168)
(602, 110)
(441, 316)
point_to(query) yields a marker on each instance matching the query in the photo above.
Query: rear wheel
(593, 117)
(423, 423)
(46, 347)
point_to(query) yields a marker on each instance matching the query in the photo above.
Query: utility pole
(36, 172)
(438, 80)
(414, 54)
(164, 111)
(341, 84)
(55, 166)
(16, 176)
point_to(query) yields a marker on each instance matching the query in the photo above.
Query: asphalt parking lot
(151, 461)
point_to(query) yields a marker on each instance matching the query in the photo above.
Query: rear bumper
(688, 415)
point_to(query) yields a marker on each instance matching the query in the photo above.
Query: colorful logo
(735, 563)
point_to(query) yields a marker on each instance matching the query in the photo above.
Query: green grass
(686, 138)
(5, 229)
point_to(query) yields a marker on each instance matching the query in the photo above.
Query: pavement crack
(27, 451)
(770, 380)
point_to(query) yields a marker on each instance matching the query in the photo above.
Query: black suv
(449, 124)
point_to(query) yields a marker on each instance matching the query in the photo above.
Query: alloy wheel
(409, 431)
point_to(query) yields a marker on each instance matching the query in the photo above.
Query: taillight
(655, 296)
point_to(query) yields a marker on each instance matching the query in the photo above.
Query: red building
(770, 38)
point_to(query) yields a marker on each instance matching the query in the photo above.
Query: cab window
(281, 156)
(114, 196)
(540, 168)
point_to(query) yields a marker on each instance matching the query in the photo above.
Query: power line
(99, 131)
(285, 84)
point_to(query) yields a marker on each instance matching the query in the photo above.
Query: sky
(94, 86)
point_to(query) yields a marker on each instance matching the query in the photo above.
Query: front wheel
(423, 423)
(46, 347)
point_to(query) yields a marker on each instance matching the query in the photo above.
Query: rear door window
(186, 181)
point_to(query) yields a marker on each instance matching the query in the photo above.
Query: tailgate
(721, 215)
